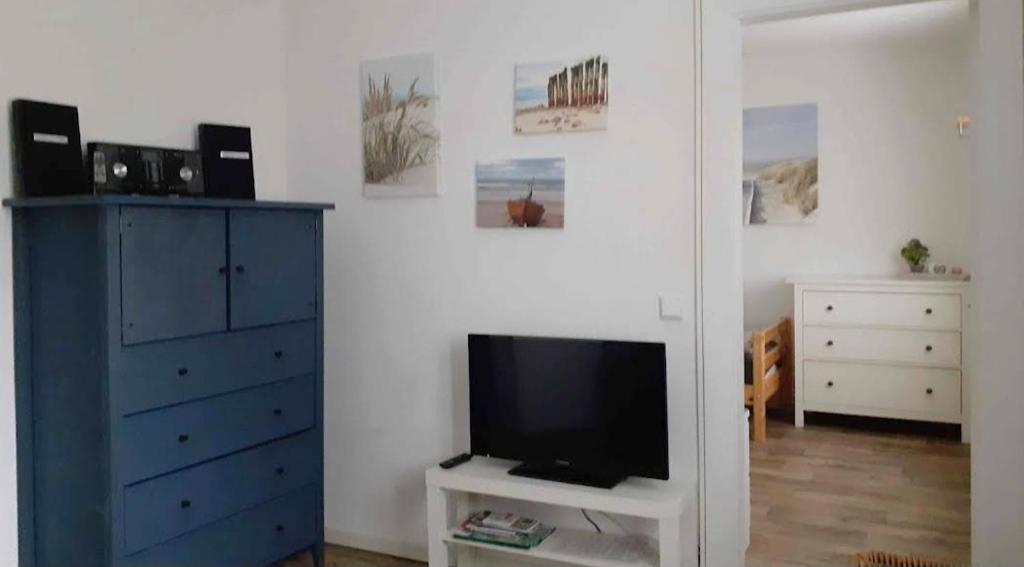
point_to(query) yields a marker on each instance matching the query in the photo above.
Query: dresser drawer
(921, 310)
(163, 440)
(886, 391)
(257, 536)
(165, 373)
(929, 348)
(162, 508)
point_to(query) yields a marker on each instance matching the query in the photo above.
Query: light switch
(671, 307)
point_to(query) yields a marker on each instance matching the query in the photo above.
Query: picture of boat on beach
(780, 164)
(521, 193)
(400, 132)
(565, 96)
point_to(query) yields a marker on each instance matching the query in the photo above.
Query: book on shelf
(503, 529)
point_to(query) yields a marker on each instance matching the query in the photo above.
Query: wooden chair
(772, 358)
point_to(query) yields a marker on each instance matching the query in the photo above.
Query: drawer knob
(279, 471)
(928, 348)
(240, 268)
(829, 308)
(929, 391)
(829, 342)
(279, 528)
(928, 311)
(182, 371)
(278, 354)
(830, 384)
(183, 438)
(186, 504)
(278, 411)
(222, 270)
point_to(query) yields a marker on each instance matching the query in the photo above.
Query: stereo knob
(186, 173)
(120, 170)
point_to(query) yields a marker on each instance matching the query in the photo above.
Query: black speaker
(227, 161)
(47, 150)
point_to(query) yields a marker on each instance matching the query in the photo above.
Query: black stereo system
(48, 160)
(137, 170)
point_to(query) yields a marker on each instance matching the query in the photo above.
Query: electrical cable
(592, 522)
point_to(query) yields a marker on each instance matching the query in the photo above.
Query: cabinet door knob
(240, 268)
(183, 438)
(279, 471)
(279, 528)
(928, 391)
(830, 384)
(186, 504)
(182, 371)
(928, 348)
(829, 308)
(928, 311)
(222, 270)
(829, 342)
(278, 411)
(278, 354)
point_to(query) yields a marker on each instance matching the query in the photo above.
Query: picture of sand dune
(400, 135)
(565, 96)
(780, 164)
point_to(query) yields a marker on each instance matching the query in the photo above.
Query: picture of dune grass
(780, 164)
(400, 134)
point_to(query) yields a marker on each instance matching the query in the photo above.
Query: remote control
(456, 461)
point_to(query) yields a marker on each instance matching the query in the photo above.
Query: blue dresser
(169, 380)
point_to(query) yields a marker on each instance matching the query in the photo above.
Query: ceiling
(937, 20)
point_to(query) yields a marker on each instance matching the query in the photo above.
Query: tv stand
(568, 474)
(453, 494)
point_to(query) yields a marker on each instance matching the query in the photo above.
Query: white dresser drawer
(919, 310)
(884, 391)
(929, 348)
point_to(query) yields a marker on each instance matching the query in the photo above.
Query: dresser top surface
(106, 200)
(894, 280)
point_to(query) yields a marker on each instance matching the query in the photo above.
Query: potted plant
(916, 254)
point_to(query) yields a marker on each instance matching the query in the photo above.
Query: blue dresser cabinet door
(273, 267)
(173, 280)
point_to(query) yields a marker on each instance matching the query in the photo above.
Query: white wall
(143, 72)
(997, 463)
(408, 279)
(892, 166)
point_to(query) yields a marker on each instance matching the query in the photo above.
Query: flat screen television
(587, 412)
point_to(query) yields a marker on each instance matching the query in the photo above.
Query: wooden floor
(337, 556)
(821, 494)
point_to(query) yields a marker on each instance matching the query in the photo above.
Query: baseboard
(403, 549)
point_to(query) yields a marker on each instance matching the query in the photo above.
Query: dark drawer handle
(928, 348)
(278, 354)
(929, 391)
(279, 528)
(830, 384)
(928, 311)
(278, 411)
(279, 471)
(186, 504)
(182, 371)
(829, 308)
(829, 343)
(240, 268)
(183, 438)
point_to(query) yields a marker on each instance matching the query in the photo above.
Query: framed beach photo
(521, 193)
(562, 96)
(780, 164)
(400, 132)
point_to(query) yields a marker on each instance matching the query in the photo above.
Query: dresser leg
(318, 555)
(798, 418)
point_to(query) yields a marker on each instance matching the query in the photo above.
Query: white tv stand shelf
(447, 504)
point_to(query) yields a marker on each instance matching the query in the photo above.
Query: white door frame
(718, 317)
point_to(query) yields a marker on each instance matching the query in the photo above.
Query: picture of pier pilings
(567, 96)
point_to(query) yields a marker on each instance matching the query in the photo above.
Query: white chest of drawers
(881, 347)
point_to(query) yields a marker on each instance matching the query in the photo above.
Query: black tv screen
(592, 405)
